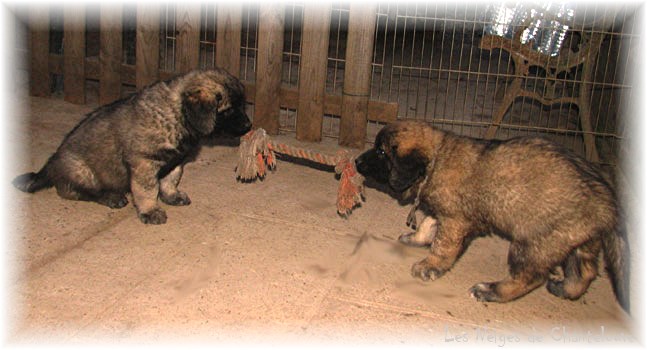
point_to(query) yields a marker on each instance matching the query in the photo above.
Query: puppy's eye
(380, 152)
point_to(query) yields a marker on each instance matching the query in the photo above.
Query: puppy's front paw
(155, 217)
(178, 198)
(484, 292)
(423, 270)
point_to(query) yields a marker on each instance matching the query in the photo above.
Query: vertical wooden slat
(228, 37)
(312, 75)
(269, 67)
(148, 44)
(187, 44)
(357, 74)
(39, 78)
(74, 52)
(110, 52)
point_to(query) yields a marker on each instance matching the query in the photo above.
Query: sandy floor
(257, 263)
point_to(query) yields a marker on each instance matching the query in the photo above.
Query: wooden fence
(266, 92)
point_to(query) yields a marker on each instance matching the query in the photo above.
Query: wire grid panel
(249, 41)
(208, 30)
(292, 44)
(293, 26)
(293, 16)
(167, 37)
(336, 61)
(427, 58)
(337, 47)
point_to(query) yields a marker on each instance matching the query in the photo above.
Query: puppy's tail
(616, 256)
(32, 182)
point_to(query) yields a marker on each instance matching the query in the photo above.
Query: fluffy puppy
(557, 210)
(139, 144)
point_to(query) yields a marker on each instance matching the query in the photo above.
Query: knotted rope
(256, 156)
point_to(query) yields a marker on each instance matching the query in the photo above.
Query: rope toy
(256, 156)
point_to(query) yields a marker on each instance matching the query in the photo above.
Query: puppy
(139, 144)
(557, 210)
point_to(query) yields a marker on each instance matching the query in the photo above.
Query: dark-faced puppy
(557, 210)
(140, 144)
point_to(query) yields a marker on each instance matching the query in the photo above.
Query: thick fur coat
(139, 144)
(557, 210)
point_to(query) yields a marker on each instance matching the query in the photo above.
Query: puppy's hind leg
(169, 193)
(111, 199)
(75, 181)
(529, 265)
(580, 269)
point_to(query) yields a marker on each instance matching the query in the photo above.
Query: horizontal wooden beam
(378, 111)
(92, 69)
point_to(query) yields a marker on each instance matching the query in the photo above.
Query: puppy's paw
(113, 200)
(122, 202)
(556, 288)
(178, 198)
(410, 239)
(484, 292)
(155, 217)
(423, 270)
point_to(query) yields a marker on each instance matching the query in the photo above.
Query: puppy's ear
(198, 104)
(413, 162)
(407, 168)
(200, 97)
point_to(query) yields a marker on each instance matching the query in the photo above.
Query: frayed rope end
(351, 185)
(255, 156)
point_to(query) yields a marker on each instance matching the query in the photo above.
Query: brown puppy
(139, 144)
(557, 210)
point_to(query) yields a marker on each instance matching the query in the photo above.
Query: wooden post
(187, 41)
(110, 52)
(357, 74)
(39, 78)
(269, 67)
(312, 74)
(228, 37)
(148, 44)
(74, 52)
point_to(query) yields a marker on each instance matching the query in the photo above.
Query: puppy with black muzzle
(557, 210)
(139, 144)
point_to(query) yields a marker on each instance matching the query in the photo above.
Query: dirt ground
(262, 263)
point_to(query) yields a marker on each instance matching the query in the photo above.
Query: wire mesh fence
(439, 63)
(428, 58)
